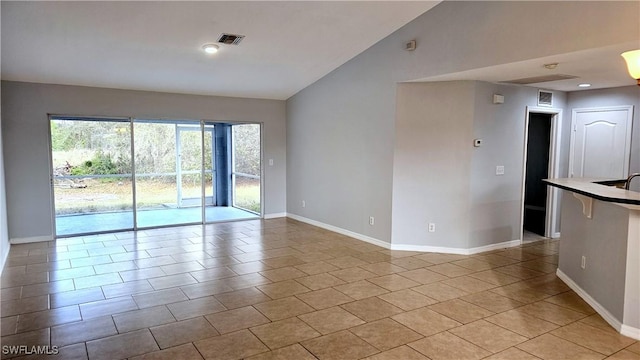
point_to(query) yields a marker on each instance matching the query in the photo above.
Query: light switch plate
(500, 170)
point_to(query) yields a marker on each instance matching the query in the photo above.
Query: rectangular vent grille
(230, 39)
(545, 98)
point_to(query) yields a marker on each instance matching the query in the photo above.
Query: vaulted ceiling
(157, 45)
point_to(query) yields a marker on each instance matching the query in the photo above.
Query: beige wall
(432, 164)
(440, 177)
(26, 145)
(604, 276)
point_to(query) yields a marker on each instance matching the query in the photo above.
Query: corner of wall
(4, 234)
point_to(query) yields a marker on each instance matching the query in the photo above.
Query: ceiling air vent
(545, 98)
(230, 39)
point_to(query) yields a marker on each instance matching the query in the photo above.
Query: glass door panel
(245, 176)
(168, 179)
(209, 166)
(92, 181)
(189, 159)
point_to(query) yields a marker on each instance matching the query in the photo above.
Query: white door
(601, 142)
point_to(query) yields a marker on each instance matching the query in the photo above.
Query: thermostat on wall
(477, 142)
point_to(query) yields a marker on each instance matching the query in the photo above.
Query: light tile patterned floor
(281, 289)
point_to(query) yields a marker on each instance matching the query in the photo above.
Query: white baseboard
(425, 248)
(275, 215)
(555, 235)
(403, 247)
(631, 332)
(4, 256)
(342, 231)
(32, 239)
(491, 247)
(459, 251)
(606, 315)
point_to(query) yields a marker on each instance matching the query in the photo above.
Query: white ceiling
(601, 67)
(157, 45)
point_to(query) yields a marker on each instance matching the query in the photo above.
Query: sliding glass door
(246, 167)
(123, 174)
(168, 172)
(92, 182)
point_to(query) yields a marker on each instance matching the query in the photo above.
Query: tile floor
(280, 289)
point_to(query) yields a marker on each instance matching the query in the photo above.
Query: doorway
(537, 169)
(189, 167)
(167, 172)
(541, 151)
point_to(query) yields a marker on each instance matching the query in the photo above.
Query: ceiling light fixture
(585, 85)
(551, 66)
(633, 63)
(210, 48)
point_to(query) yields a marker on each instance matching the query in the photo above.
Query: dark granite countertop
(599, 189)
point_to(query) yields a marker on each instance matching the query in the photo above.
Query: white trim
(625, 330)
(4, 256)
(555, 235)
(342, 231)
(405, 247)
(275, 215)
(432, 249)
(630, 331)
(459, 251)
(491, 247)
(33, 239)
(52, 195)
(554, 167)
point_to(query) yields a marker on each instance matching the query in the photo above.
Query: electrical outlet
(304, 203)
(270, 162)
(583, 263)
(432, 227)
(371, 220)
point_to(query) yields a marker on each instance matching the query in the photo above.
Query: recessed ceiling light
(585, 85)
(210, 48)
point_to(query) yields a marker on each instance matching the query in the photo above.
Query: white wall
(25, 133)
(340, 130)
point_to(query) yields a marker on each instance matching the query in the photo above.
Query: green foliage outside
(102, 164)
(246, 139)
(104, 148)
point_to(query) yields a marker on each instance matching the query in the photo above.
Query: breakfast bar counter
(599, 255)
